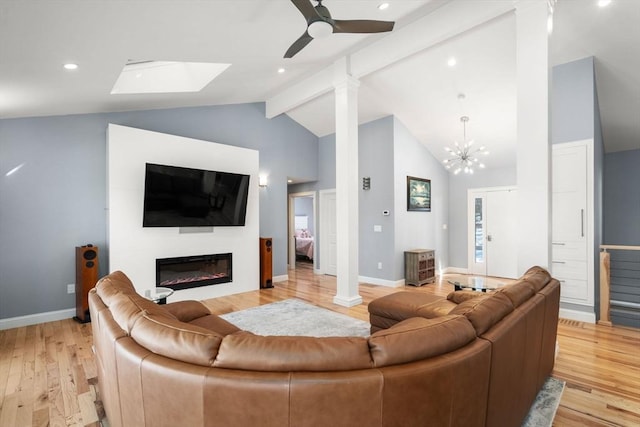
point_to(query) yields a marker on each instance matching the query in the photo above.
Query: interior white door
(571, 221)
(328, 233)
(493, 232)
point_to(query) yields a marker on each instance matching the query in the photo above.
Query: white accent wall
(134, 249)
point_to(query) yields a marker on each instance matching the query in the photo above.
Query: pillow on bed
(302, 232)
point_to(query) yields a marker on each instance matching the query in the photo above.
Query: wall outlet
(379, 266)
(71, 288)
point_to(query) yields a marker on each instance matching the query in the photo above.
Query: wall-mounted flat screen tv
(184, 197)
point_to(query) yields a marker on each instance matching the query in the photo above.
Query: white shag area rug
(298, 318)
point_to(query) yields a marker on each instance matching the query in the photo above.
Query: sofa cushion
(186, 311)
(518, 292)
(113, 284)
(177, 340)
(215, 324)
(485, 312)
(244, 350)
(458, 297)
(400, 305)
(538, 277)
(128, 307)
(438, 308)
(419, 338)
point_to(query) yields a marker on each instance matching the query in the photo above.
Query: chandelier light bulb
(462, 156)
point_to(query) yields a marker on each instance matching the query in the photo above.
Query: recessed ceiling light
(70, 66)
(604, 3)
(281, 70)
(289, 181)
(451, 62)
(383, 6)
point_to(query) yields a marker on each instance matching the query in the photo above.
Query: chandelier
(463, 157)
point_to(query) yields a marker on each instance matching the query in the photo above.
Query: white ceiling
(37, 37)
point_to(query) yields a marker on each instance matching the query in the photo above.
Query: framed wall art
(418, 194)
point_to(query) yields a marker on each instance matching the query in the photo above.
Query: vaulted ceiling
(404, 73)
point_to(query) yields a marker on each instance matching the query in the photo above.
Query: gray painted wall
(572, 101)
(622, 227)
(622, 198)
(375, 160)
(56, 201)
(387, 154)
(418, 230)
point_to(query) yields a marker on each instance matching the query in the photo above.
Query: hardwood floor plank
(47, 371)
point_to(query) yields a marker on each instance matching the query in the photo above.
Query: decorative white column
(533, 152)
(346, 98)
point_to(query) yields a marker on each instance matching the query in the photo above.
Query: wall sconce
(262, 181)
(366, 183)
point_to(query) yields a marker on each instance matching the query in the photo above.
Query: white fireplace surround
(134, 249)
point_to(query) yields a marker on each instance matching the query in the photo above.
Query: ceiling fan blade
(297, 46)
(306, 8)
(362, 26)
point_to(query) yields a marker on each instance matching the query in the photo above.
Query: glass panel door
(479, 232)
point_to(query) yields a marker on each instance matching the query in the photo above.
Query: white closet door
(571, 223)
(328, 233)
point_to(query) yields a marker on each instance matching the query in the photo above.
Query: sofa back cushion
(418, 338)
(485, 312)
(518, 292)
(127, 308)
(176, 340)
(113, 284)
(244, 350)
(538, 277)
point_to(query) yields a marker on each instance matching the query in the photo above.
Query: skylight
(166, 77)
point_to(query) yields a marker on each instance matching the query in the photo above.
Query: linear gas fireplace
(193, 271)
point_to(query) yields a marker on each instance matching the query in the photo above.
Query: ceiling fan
(320, 24)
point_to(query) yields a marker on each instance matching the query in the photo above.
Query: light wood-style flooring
(48, 376)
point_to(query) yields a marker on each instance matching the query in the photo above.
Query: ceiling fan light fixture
(320, 29)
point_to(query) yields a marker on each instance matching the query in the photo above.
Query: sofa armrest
(186, 311)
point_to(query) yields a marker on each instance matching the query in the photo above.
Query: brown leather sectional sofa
(179, 365)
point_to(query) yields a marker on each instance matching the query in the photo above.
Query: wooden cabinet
(419, 267)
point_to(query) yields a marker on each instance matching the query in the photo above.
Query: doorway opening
(302, 247)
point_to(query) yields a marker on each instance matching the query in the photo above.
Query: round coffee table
(476, 283)
(159, 295)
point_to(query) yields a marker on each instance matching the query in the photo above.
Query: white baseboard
(282, 278)
(455, 270)
(348, 301)
(580, 316)
(381, 282)
(34, 319)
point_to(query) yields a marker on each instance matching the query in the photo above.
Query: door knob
(489, 238)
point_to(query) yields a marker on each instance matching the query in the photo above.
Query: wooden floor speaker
(86, 278)
(266, 262)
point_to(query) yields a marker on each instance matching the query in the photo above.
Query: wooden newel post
(605, 288)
